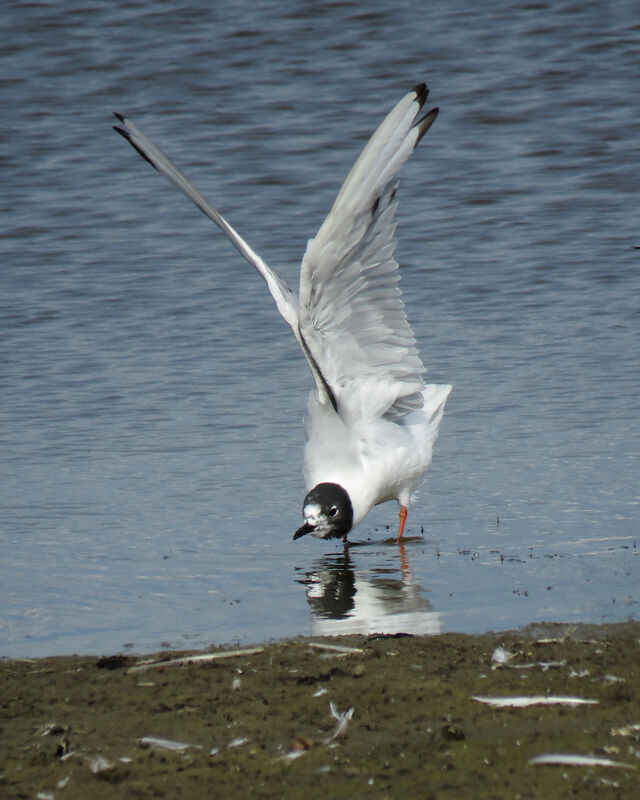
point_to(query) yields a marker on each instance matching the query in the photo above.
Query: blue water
(151, 397)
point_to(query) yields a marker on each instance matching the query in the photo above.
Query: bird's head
(327, 512)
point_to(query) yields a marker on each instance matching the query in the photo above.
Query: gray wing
(281, 292)
(352, 320)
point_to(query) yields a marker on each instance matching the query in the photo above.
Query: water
(151, 397)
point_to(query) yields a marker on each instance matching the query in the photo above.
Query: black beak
(304, 530)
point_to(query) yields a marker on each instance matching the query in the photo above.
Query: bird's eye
(333, 511)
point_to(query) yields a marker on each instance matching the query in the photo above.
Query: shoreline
(384, 716)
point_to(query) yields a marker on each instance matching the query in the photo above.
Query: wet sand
(277, 722)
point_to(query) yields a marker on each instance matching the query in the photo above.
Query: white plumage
(372, 421)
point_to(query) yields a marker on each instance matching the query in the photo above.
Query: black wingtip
(119, 116)
(425, 123)
(126, 135)
(421, 91)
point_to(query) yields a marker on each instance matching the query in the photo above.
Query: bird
(372, 420)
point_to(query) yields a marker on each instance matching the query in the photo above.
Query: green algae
(260, 725)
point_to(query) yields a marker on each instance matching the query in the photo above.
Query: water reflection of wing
(346, 600)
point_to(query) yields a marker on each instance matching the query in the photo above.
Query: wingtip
(421, 92)
(127, 135)
(425, 123)
(119, 116)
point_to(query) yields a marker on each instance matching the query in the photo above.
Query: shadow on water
(345, 598)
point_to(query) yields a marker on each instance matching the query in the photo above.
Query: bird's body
(376, 459)
(371, 420)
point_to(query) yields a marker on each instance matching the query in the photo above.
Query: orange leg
(403, 519)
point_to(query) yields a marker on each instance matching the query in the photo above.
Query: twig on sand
(535, 700)
(574, 760)
(336, 648)
(202, 658)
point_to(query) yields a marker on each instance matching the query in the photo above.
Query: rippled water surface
(151, 397)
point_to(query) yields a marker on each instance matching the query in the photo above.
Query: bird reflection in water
(345, 598)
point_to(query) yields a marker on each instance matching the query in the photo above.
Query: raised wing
(281, 292)
(352, 320)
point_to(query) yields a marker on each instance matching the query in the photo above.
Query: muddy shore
(377, 716)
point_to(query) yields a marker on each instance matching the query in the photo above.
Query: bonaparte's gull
(372, 421)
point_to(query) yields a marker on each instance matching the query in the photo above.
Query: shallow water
(150, 478)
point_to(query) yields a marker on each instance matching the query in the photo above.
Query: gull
(372, 421)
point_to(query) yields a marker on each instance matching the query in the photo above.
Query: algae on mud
(260, 724)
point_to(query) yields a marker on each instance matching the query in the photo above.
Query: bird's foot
(403, 518)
